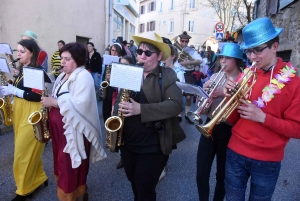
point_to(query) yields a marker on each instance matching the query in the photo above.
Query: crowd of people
(242, 144)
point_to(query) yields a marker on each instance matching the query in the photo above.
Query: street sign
(219, 35)
(219, 27)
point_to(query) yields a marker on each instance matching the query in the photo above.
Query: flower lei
(275, 86)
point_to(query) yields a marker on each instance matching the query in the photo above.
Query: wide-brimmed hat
(231, 50)
(259, 32)
(154, 39)
(185, 35)
(30, 34)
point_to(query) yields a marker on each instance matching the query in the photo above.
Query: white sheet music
(5, 48)
(108, 59)
(126, 76)
(4, 66)
(192, 89)
(34, 78)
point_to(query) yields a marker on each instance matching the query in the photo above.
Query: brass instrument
(205, 103)
(39, 121)
(105, 84)
(182, 55)
(6, 108)
(114, 126)
(227, 106)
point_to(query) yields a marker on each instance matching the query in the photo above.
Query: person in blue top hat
(265, 120)
(231, 60)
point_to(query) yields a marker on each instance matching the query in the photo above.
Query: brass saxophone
(114, 126)
(105, 83)
(39, 121)
(6, 108)
(182, 55)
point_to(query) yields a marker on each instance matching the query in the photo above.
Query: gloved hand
(9, 89)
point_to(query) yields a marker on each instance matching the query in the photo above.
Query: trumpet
(227, 106)
(205, 103)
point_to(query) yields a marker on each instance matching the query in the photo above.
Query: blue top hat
(231, 50)
(259, 32)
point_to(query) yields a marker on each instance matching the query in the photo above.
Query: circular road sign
(219, 26)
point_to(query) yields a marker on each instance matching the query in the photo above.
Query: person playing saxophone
(150, 126)
(28, 166)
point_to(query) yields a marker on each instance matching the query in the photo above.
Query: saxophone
(6, 108)
(105, 84)
(39, 121)
(114, 126)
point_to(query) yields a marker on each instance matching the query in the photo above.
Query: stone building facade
(284, 14)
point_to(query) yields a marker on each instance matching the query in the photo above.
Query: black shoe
(120, 164)
(46, 183)
(20, 198)
(179, 118)
(190, 122)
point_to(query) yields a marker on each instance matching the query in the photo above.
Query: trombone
(227, 106)
(205, 103)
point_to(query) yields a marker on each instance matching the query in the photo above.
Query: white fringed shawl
(80, 116)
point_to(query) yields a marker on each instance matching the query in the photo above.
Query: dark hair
(271, 42)
(132, 41)
(92, 44)
(62, 42)
(33, 47)
(150, 47)
(239, 63)
(77, 51)
(124, 42)
(128, 58)
(174, 51)
(118, 49)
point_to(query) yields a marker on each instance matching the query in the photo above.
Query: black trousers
(143, 171)
(207, 150)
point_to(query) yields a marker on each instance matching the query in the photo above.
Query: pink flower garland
(277, 83)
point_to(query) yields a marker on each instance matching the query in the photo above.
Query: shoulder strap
(160, 82)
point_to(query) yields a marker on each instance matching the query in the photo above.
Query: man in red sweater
(266, 121)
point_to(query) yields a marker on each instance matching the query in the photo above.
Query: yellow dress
(28, 167)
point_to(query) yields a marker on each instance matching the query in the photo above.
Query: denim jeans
(239, 168)
(97, 81)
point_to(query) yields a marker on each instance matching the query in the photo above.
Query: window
(142, 28)
(171, 27)
(191, 25)
(164, 22)
(118, 21)
(272, 7)
(151, 6)
(192, 4)
(142, 10)
(160, 6)
(151, 26)
(172, 5)
(132, 29)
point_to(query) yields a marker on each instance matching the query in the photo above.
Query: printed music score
(34, 78)
(4, 66)
(126, 76)
(108, 59)
(192, 89)
(5, 48)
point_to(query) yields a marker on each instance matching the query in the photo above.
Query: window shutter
(154, 6)
(153, 25)
(148, 24)
(273, 7)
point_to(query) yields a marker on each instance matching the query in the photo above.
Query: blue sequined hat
(231, 50)
(259, 32)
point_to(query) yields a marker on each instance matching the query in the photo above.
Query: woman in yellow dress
(28, 167)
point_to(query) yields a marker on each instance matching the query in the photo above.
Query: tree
(230, 12)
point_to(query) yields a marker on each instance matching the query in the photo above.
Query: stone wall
(289, 20)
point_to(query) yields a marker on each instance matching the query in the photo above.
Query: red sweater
(266, 141)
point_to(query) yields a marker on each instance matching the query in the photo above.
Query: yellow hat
(154, 39)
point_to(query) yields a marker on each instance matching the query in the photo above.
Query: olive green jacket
(165, 107)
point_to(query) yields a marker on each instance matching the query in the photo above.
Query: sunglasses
(224, 57)
(148, 53)
(256, 51)
(184, 41)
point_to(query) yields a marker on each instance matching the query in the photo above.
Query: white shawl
(80, 116)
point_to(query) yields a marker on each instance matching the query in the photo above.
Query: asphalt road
(106, 183)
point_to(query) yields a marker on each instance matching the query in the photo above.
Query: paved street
(107, 183)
